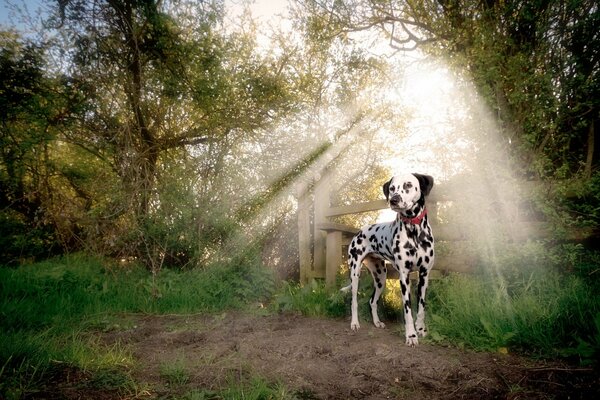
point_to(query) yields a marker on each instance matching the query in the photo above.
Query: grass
(175, 373)
(541, 303)
(49, 310)
(253, 389)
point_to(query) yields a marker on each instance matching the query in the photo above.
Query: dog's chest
(398, 241)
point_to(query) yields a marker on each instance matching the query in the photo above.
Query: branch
(176, 142)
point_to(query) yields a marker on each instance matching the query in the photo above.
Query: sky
(13, 12)
(263, 9)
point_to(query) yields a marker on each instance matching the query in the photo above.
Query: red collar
(416, 220)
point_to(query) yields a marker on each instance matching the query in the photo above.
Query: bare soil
(316, 358)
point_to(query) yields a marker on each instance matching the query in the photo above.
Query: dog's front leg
(421, 290)
(411, 333)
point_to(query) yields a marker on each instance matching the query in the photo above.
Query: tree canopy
(159, 130)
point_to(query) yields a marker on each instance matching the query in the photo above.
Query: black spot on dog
(403, 287)
(358, 241)
(408, 264)
(353, 253)
(419, 261)
(373, 238)
(379, 285)
(426, 259)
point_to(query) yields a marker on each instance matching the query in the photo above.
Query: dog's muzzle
(396, 200)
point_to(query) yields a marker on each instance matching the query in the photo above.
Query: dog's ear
(426, 183)
(386, 189)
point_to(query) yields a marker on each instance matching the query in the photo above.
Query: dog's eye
(392, 188)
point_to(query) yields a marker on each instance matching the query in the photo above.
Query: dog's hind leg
(378, 272)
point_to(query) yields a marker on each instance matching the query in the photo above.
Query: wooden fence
(322, 242)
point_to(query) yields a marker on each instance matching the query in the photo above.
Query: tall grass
(537, 300)
(553, 316)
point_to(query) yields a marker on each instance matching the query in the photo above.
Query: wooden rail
(322, 256)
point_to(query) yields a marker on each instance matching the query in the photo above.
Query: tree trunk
(589, 162)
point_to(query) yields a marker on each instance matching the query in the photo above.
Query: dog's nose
(395, 200)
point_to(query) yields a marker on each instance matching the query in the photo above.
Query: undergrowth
(49, 309)
(533, 301)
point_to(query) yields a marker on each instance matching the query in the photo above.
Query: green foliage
(315, 300)
(581, 199)
(527, 302)
(20, 242)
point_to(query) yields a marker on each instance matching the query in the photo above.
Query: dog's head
(403, 192)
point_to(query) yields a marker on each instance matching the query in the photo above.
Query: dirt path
(323, 359)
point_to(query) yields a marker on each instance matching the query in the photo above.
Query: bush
(20, 241)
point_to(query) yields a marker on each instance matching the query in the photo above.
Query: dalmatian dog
(407, 243)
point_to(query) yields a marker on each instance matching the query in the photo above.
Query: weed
(113, 380)
(311, 300)
(254, 389)
(175, 373)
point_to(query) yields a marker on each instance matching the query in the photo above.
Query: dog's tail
(346, 288)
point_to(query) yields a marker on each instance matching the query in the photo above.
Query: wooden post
(304, 245)
(334, 257)
(321, 207)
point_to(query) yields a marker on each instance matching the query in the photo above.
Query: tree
(148, 90)
(34, 109)
(535, 62)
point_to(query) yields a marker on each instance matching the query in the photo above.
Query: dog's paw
(355, 326)
(412, 340)
(422, 331)
(379, 324)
